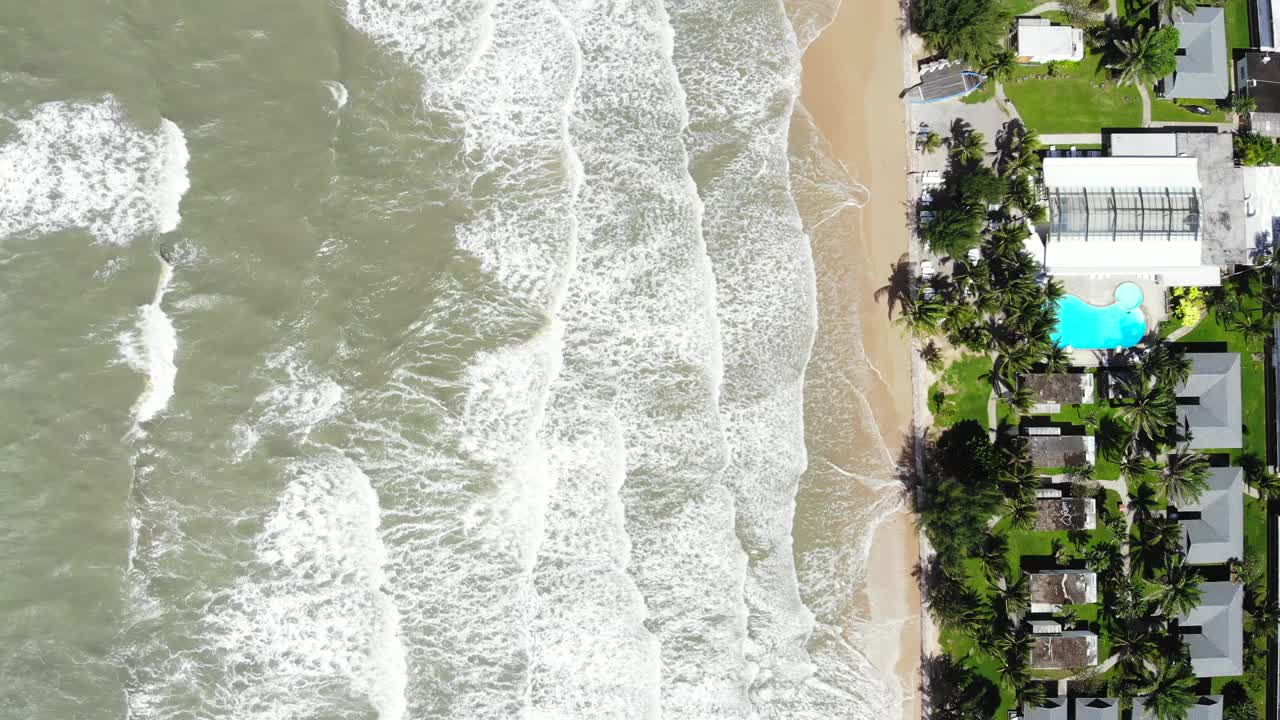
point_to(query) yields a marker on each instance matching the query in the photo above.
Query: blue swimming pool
(1090, 327)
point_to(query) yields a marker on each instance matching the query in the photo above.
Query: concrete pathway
(1005, 104)
(1057, 6)
(1146, 105)
(1069, 139)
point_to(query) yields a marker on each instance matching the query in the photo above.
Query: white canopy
(1121, 172)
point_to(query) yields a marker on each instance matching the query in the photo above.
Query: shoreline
(852, 76)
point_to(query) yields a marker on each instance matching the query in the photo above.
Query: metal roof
(1097, 709)
(1206, 707)
(1202, 66)
(1214, 525)
(1209, 402)
(1217, 643)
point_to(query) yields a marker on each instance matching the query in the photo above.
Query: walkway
(1057, 6)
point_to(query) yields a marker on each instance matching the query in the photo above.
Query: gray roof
(1055, 451)
(1222, 218)
(1060, 388)
(1217, 650)
(1209, 401)
(1206, 707)
(1066, 513)
(1097, 708)
(1063, 587)
(1217, 535)
(1202, 69)
(1050, 709)
(1070, 649)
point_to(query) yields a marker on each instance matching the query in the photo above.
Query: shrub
(1254, 149)
(1188, 306)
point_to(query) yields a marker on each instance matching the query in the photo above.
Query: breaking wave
(85, 166)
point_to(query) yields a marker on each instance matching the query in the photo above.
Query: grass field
(1169, 111)
(961, 393)
(1237, 17)
(1073, 102)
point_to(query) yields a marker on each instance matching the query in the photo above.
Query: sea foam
(150, 348)
(85, 166)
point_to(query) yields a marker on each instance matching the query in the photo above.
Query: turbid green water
(407, 360)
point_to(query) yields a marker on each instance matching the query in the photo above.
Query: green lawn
(1073, 102)
(1252, 380)
(1022, 7)
(961, 393)
(1170, 111)
(1237, 17)
(981, 95)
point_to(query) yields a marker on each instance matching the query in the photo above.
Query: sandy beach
(853, 74)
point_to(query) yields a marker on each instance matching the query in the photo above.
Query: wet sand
(853, 74)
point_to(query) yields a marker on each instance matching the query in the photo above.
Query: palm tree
(1135, 467)
(1178, 591)
(932, 141)
(1140, 57)
(921, 315)
(1132, 644)
(932, 356)
(1022, 399)
(1022, 510)
(1243, 104)
(1186, 476)
(1173, 692)
(1143, 502)
(1168, 7)
(969, 146)
(1166, 365)
(1151, 410)
(1057, 360)
(1001, 65)
(991, 554)
(1014, 595)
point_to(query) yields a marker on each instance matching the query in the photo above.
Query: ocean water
(414, 359)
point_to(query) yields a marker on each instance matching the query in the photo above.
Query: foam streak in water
(84, 166)
(150, 348)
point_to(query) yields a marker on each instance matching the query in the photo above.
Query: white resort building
(1161, 207)
(1040, 41)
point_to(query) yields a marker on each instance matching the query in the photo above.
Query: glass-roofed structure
(1126, 214)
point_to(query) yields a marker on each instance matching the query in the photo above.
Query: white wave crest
(338, 92)
(85, 166)
(308, 624)
(150, 348)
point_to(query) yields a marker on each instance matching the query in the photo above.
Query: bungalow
(1056, 451)
(1202, 56)
(1213, 525)
(1206, 707)
(1040, 41)
(1097, 708)
(1053, 390)
(1066, 650)
(1214, 631)
(1049, 709)
(1051, 589)
(1209, 404)
(1066, 514)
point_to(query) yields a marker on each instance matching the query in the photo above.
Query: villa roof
(1097, 708)
(1214, 525)
(1050, 709)
(1060, 388)
(1071, 649)
(1202, 62)
(1222, 197)
(1209, 403)
(1066, 514)
(1052, 588)
(1214, 631)
(1206, 707)
(1040, 41)
(1055, 451)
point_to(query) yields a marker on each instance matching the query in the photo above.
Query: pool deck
(1101, 291)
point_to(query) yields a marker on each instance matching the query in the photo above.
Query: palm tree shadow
(901, 282)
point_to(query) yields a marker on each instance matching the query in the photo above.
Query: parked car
(1198, 109)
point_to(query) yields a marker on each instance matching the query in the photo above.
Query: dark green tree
(969, 30)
